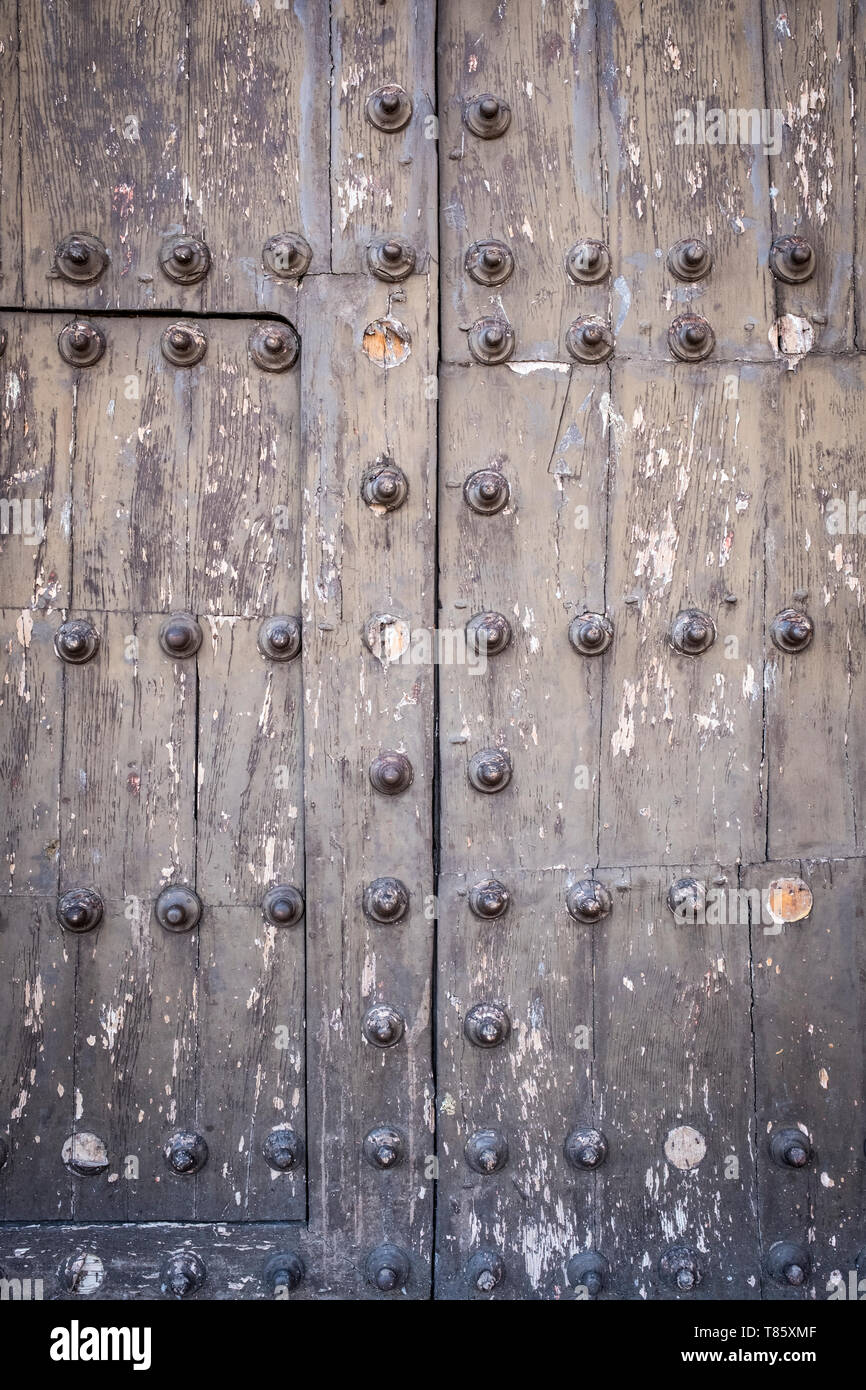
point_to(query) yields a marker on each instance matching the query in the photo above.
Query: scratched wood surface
(10, 163)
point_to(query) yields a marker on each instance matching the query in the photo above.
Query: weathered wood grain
(10, 157)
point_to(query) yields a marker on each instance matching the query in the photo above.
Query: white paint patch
(791, 337)
(524, 368)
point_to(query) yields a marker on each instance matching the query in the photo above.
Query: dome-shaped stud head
(80, 343)
(687, 899)
(692, 632)
(486, 1025)
(588, 262)
(792, 630)
(484, 1271)
(391, 773)
(490, 770)
(585, 1148)
(283, 1149)
(690, 259)
(384, 487)
(790, 1147)
(389, 108)
(274, 347)
(691, 338)
(185, 1152)
(486, 1152)
(678, 1268)
(178, 909)
(386, 900)
(587, 1271)
(590, 633)
(287, 255)
(383, 1026)
(279, 638)
(589, 340)
(80, 258)
(183, 344)
(789, 1264)
(387, 1268)
(80, 910)
(283, 905)
(184, 259)
(384, 1147)
(76, 641)
(491, 341)
(489, 262)
(392, 259)
(487, 491)
(489, 899)
(588, 901)
(792, 259)
(283, 1272)
(182, 1273)
(180, 636)
(488, 633)
(488, 116)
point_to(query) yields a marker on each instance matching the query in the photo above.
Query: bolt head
(491, 258)
(183, 253)
(489, 108)
(794, 1275)
(685, 1279)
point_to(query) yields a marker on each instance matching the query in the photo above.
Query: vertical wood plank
(10, 157)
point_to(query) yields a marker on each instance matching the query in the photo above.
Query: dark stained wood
(10, 157)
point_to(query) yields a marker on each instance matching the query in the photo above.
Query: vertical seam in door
(436, 789)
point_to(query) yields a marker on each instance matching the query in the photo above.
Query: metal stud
(182, 1273)
(487, 1025)
(588, 262)
(391, 773)
(287, 255)
(81, 343)
(384, 1147)
(180, 636)
(185, 259)
(588, 901)
(76, 641)
(85, 1154)
(283, 1272)
(80, 910)
(792, 630)
(687, 900)
(82, 1272)
(589, 1271)
(489, 899)
(383, 1026)
(274, 347)
(590, 633)
(387, 1268)
(489, 262)
(487, 116)
(384, 487)
(283, 1149)
(283, 905)
(391, 259)
(790, 1148)
(490, 770)
(491, 341)
(279, 638)
(386, 900)
(389, 108)
(792, 259)
(484, 1270)
(80, 258)
(486, 1151)
(488, 634)
(589, 339)
(487, 491)
(585, 1148)
(690, 338)
(679, 1269)
(183, 344)
(178, 909)
(185, 1152)
(789, 1264)
(693, 631)
(690, 259)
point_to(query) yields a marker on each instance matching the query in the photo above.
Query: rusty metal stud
(178, 909)
(384, 1147)
(386, 900)
(585, 1148)
(387, 1268)
(589, 339)
(690, 338)
(792, 259)
(487, 116)
(484, 1270)
(391, 773)
(486, 1151)
(588, 262)
(589, 1271)
(690, 259)
(391, 259)
(389, 108)
(590, 633)
(182, 1273)
(80, 259)
(489, 262)
(284, 1271)
(185, 259)
(76, 641)
(384, 487)
(275, 347)
(491, 340)
(488, 633)
(80, 910)
(383, 1026)
(679, 1268)
(283, 1149)
(487, 1025)
(489, 899)
(487, 491)
(789, 1264)
(790, 1148)
(687, 900)
(279, 638)
(183, 344)
(287, 255)
(185, 1152)
(588, 901)
(180, 635)
(490, 770)
(283, 905)
(693, 631)
(81, 343)
(792, 630)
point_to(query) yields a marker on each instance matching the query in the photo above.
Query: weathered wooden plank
(360, 570)
(858, 90)
(103, 120)
(810, 1071)
(10, 156)
(673, 1057)
(383, 182)
(808, 67)
(681, 734)
(814, 542)
(676, 170)
(538, 187)
(539, 563)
